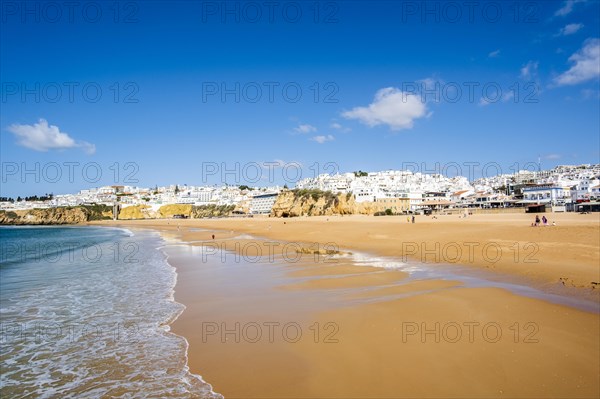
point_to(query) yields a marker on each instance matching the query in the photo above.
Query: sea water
(85, 312)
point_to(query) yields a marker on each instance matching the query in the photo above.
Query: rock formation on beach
(55, 216)
(317, 203)
(289, 203)
(86, 213)
(168, 211)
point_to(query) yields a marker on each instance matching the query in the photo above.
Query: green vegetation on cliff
(315, 193)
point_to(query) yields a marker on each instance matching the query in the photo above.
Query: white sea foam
(244, 237)
(362, 259)
(90, 329)
(126, 231)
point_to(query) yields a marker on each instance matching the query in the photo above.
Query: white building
(547, 194)
(585, 190)
(595, 192)
(262, 203)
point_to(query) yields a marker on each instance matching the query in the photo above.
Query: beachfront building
(395, 204)
(546, 194)
(262, 203)
(585, 190)
(460, 197)
(490, 200)
(415, 200)
(197, 196)
(435, 201)
(433, 196)
(595, 191)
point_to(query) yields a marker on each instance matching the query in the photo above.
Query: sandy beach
(332, 325)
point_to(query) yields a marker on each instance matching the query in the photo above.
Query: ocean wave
(84, 329)
(363, 259)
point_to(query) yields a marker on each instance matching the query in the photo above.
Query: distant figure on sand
(537, 220)
(413, 218)
(213, 236)
(544, 220)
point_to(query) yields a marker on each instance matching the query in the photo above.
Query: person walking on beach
(544, 220)
(413, 218)
(537, 220)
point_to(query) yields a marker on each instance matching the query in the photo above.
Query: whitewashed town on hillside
(562, 188)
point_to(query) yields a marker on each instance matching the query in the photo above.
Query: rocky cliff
(317, 203)
(168, 211)
(62, 215)
(288, 204)
(137, 212)
(204, 211)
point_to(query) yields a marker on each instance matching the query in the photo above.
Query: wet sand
(323, 326)
(567, 253)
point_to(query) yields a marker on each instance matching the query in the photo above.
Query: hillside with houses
(563, 188)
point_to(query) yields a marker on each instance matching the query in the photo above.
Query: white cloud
(339, 127)
(43, 137)
(586, 65)
(569, 29)
(508, 96)
(529, 70)
(429, 90)
(484, 101)
(305, 128)
(567, 7)
(429, 83)
(494, 54)
(88, 148)
(322, 139)
(391, 107)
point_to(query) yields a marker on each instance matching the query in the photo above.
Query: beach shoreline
(567, 254)
(373, 308)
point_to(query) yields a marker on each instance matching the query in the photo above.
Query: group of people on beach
(544, 221)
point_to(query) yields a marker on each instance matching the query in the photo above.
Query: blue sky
(160, 92)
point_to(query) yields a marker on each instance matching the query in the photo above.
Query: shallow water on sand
(85, 312)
